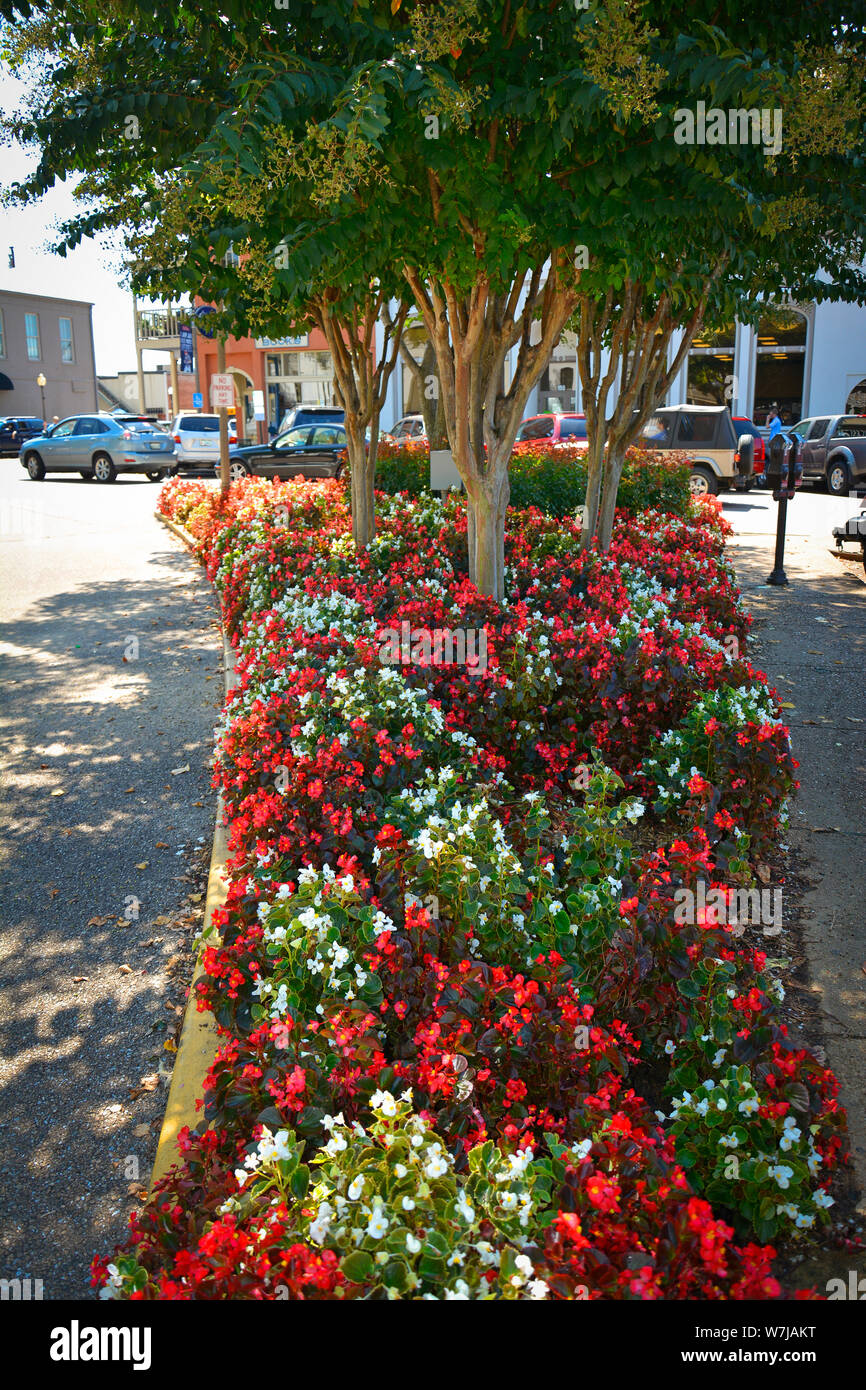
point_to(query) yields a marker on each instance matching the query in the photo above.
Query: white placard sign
(222, 390)
(443, 471)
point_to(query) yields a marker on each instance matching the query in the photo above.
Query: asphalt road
(111, 679)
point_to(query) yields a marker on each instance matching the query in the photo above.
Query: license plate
(157, 446)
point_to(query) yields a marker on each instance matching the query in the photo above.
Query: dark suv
(15, 430)
(311, 415)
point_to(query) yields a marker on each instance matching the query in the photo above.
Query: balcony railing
(155, 325)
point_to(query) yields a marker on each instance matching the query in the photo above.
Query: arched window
(856, 403)
(779, 327)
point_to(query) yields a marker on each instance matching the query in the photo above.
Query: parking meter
(776, 464)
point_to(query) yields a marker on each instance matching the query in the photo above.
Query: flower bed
(469, 1048)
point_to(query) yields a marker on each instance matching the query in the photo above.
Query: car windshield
(537, 429)
(572, 429)
(202, 424)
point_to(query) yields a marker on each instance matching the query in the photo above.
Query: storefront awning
(5, 383)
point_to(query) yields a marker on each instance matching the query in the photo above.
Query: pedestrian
(774, 421)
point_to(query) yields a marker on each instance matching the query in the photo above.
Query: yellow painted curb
(198, 1037)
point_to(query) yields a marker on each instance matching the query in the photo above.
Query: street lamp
(42, 383)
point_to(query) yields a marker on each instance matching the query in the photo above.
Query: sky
(91, 272)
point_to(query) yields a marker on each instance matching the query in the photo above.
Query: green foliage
(553, 480)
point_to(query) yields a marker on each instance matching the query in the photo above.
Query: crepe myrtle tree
(518, 162)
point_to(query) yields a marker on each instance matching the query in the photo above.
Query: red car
(565, 428)
(746, 426)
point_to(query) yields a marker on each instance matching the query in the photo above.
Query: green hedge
(553, 480)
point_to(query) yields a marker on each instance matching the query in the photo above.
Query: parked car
(833, 451)
(410, 427)
(308, 450)
(311, 415)
(99, 447)
(565, 428)
(705, 434)
(197, 438)
(15, 430)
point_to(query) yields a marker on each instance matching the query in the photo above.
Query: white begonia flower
(356, 1187)
(378, 1224)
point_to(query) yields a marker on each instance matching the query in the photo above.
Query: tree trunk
(363, 507)
(613, 467)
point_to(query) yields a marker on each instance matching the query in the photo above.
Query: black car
(308, 450)
(15, 430)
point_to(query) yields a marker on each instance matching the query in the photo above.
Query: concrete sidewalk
(810, 638)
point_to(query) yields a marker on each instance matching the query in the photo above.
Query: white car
(410, 427)
(197, 438)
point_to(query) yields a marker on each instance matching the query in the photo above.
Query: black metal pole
(778, 575)
(784, 461)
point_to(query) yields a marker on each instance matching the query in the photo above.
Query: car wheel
(86, 474)
(104, 470)
(703, 483)
(156, 475)
(35, 467)
(837, 479)
(237, 470)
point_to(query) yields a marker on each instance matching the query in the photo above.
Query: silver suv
(197, 438)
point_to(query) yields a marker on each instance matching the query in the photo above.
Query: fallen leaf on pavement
(176, 771)
(141, 1131)
(160, 844)
(142, 865)
(78, 979)
(150, 1082)
(125, 969)
(763, 872)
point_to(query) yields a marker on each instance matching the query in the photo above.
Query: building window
(298, 378)
(856, 403)
(67, 346)
(780, 364)
(711, 367)
(31, 333)
(556, 388)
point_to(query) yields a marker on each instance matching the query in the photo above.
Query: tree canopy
(510, 167)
